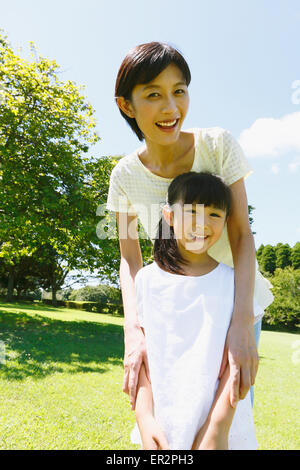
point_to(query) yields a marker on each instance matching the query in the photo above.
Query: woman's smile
(167, 126)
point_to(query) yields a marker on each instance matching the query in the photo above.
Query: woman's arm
(131, 262)
(240, 349)
(213, 435)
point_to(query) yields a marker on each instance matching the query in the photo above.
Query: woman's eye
(180, 91)
(153, 95)
(214, 214)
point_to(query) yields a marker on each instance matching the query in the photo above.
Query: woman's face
(161, 105)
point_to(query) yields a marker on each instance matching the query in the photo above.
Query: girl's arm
(240, 348)
(213, 435)
(152, 435)
(131, 262)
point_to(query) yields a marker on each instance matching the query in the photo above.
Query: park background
(61, 367)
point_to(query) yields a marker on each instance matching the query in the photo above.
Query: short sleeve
(234, 163)
(138, 287)
(117, 199)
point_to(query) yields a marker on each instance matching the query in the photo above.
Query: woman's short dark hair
(188, 188)
(141, 65)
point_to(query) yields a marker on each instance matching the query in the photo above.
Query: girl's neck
(198, 265)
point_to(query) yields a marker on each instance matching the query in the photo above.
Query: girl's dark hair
(188, 188)
(141, 65)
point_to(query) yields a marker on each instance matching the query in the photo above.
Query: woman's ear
(125, 106)
(168, 215)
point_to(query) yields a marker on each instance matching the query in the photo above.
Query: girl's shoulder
(145, 271)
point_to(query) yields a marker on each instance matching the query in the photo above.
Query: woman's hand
(241, 353)
(135, 355)
(153, 437)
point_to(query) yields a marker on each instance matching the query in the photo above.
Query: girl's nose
(199, 223)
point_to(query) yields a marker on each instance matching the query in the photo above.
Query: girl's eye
(180, 91)
(214, 214)
(153, 95)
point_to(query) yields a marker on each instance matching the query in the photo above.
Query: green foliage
(251, 220)
(295, 256)
(285, 309)
(268, 259)
(46, 201)
(102, 293)
(283, 255)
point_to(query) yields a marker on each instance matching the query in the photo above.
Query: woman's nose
(169, 105)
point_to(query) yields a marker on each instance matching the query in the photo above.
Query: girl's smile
(196, 228)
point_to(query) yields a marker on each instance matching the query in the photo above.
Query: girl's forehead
(180, 205)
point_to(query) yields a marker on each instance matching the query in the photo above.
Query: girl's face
(160, 106)
(197, 227)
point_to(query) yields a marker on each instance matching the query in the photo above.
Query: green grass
(61, 382)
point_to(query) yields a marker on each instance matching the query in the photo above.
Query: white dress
(186, 319)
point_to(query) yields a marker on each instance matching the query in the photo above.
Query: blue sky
(244, 59)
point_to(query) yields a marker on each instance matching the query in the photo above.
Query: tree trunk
(10, 285)
(54, 300)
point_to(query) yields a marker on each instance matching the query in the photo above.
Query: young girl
(185, 300)
(152, 95)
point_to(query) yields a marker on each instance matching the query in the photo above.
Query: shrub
(102, 294)
(285, 309)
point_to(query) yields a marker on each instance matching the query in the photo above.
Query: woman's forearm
(243, 252)
(128, 272)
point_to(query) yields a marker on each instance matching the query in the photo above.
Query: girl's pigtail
(165, 249)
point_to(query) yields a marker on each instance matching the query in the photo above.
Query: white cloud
(295, 164)
(269, 137)
(275, 168)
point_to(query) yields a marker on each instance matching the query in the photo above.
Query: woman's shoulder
(212, 137)
(126, 163)
(207, 131)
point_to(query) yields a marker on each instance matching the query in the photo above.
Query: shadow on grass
(38, 346)
(281, 328)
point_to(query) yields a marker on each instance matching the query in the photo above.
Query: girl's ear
(125, 106)
(168, 215)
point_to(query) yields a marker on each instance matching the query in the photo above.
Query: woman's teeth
(167, 124)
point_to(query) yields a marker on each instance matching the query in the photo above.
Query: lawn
(61, 382)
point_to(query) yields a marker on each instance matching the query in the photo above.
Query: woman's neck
(160, 158)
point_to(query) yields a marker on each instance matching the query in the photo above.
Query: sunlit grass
(61, 382)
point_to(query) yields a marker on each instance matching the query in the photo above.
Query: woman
(152, 95)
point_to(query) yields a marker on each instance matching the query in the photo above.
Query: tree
(259, 252)
(251, 220)
(283, 255)
(109, 251)
(45, 199)
(268, 259)
(285, 309)
(295, 256)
